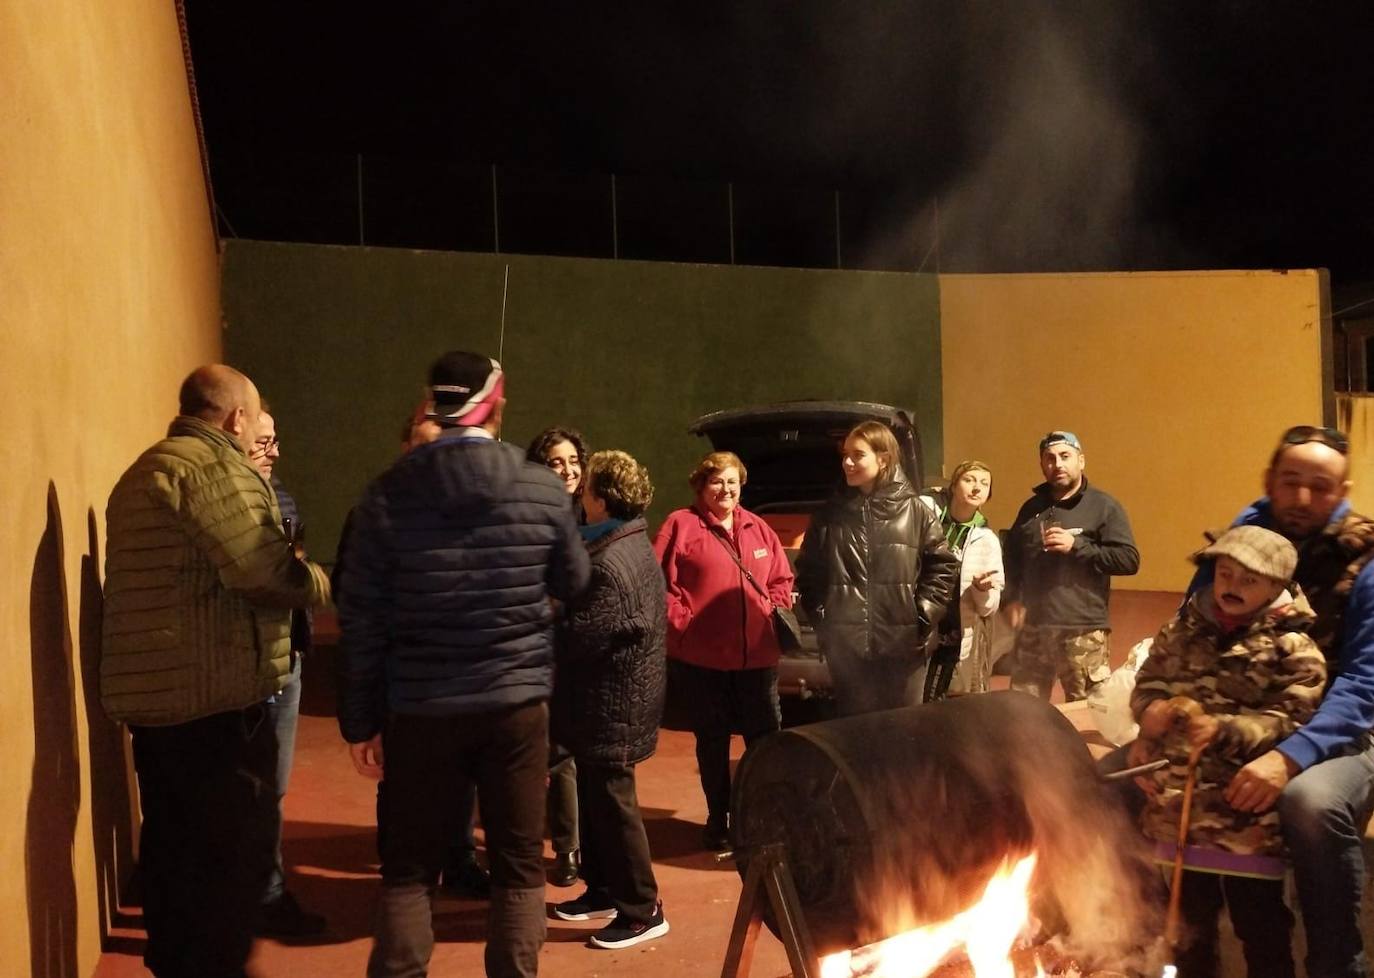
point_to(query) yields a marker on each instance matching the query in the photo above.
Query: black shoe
(466, 878)
(589, 906)
(565, 868)
(623, 933)
(716, 836)
(284, 917)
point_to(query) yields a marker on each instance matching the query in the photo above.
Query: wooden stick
(1176, 886)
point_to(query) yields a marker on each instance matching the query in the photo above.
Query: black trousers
(1260, 918)
(615, 849)
(431, 762)
(722, 702)
(562, 802)
(207, 798)
(466, 845)
(869, 685)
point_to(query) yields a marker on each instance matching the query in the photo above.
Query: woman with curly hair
(608, 700)
(722, 650)
(564, 451)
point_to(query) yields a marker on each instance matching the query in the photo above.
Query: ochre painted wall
(1178, 384)
(340, 339)
(108, 296)
(1355, 416)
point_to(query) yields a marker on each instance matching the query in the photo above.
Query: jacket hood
(627, 529)
(1289, 612)
(885, 501)
(939, 502)
(185, 426)
(458, 473)
(1261, 513)
(895, 489)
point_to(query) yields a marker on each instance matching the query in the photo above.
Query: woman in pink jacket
(722, 652)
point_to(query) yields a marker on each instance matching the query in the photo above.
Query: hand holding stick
(1186, 711)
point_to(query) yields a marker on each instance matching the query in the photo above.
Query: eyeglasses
(264, 445)
(1302, 434)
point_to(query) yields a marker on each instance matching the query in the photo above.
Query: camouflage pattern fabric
(1078, 658)
(1261, 684)
(1332, 561)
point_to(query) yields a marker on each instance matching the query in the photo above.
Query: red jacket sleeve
(665, 546)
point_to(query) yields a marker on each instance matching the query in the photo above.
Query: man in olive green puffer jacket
(199, 583)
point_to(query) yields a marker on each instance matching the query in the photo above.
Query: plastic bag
(1110, 704)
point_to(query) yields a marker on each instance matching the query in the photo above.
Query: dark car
(792, 451)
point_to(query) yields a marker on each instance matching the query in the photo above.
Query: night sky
(989, 136)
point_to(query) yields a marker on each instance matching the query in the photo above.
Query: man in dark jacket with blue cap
(447, 662)
(1066, 544)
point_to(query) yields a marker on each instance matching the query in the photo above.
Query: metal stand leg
(768, 874)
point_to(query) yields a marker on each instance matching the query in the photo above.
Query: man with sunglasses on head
(1322, 777)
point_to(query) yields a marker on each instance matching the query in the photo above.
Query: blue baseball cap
(1055, 437)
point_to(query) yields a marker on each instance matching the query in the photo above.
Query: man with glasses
(281, 914)
(1066, 544)
(199, 581)
(1322, 777)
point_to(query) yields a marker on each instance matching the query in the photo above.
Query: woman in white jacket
(962, 662)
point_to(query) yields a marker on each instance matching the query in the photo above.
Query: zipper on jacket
(743, 601)
(868, 576)
(743, 605)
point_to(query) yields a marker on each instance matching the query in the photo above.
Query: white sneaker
(624, 933)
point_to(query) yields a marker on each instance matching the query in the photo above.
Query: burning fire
(986, 931)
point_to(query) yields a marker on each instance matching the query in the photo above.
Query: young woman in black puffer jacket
(608, 700)
(875, 576)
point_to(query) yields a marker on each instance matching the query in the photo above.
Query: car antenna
(501, 343)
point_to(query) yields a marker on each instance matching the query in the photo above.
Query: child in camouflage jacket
(1231, 675)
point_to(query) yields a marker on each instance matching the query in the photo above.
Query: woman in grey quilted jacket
(608, 700)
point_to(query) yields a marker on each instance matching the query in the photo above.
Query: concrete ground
(329, 848)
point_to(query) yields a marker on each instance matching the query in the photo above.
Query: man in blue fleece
(1322, 777)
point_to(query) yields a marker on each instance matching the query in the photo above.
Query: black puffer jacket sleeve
(939, 581)
(878, 571)
(811, 574)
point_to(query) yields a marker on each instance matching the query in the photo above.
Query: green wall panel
(339, 339)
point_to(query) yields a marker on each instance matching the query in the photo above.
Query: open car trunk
(792, 453)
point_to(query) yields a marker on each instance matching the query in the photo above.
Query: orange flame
(986, 931)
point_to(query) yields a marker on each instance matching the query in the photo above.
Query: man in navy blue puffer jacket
(447, 662)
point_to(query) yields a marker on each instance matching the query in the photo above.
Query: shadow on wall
(112, 772)
(55, 792)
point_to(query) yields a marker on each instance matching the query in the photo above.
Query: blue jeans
(1324, 811)
(283, 711)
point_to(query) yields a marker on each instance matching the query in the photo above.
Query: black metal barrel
(936, 795)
